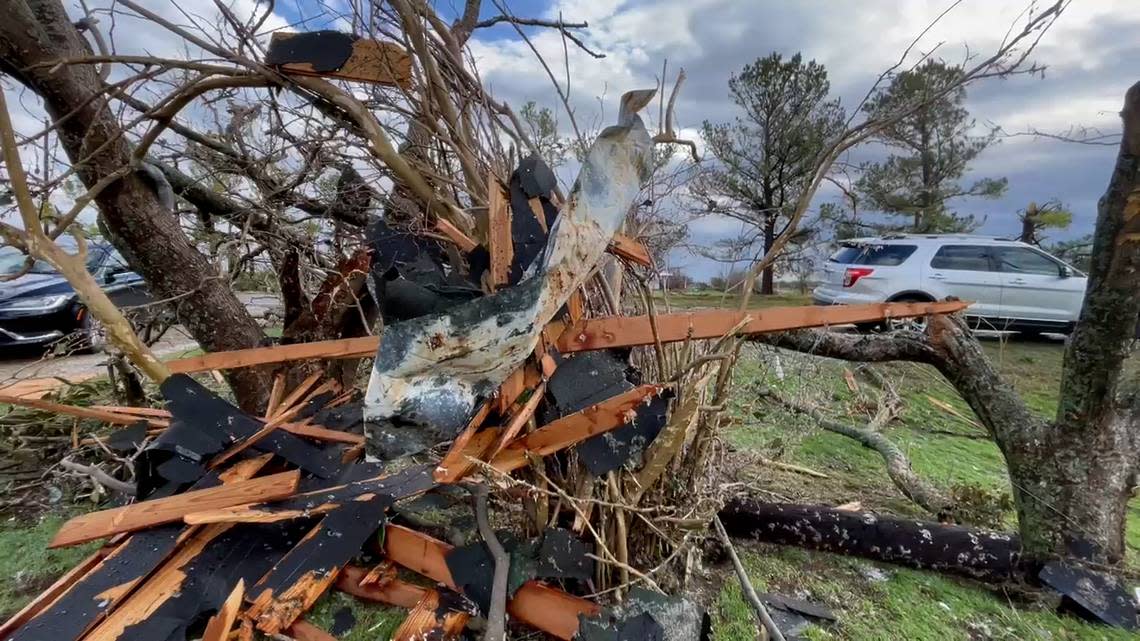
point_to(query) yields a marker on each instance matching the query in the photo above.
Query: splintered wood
(230, 540)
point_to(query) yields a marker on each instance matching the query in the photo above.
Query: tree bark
(38, 31)
(1090, 457)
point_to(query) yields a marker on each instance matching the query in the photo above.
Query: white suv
(1014, 286)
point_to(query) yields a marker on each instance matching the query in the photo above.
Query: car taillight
(853, 274)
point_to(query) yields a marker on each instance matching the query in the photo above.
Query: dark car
(40, 307)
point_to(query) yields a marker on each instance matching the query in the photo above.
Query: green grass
(877, 602)
(372, 621)
(27, 565)
(910, 604)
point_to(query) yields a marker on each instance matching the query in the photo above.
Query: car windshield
(883, 255)
(12, 262)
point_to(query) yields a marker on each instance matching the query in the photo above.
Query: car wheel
(93, 333)
(917, 324)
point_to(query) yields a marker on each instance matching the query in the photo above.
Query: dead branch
(898, 465)
(95, 473)
(497, 614)
(746, 584)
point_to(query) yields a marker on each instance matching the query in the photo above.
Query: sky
(1090, 57)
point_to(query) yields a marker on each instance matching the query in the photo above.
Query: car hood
(33, 285)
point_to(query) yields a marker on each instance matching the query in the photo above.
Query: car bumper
(828, 296)
(22, 328)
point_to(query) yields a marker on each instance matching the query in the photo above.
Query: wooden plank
(458, 463)
(429, 621)
(165, 584)
(219, 626)
(464, 242)
(625, 247)
(535, 604)
(631, 331)
(451, 467)
(510, 390)
(500, 245)
(144, 514)
(340, 348)
(407, 482)
(322, 433)
(519, 419)
(389, 589)
(276, 393)
(574, 428)
(379, 62)
(96, 414)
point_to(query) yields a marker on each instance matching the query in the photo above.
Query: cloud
(1089, 54)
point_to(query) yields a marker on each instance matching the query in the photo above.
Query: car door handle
(937, 277)
(1017, 281)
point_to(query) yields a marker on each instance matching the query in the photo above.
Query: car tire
(889, 326)
(92, 334)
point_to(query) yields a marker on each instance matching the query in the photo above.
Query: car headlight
(37, 304)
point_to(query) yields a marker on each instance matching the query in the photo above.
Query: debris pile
(489, 368)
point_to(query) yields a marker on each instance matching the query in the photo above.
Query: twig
(746, 585)
(794, 468)
(100, 477)
(497, 614)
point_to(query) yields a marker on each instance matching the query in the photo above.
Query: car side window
(115, 263)
(1018, 260)
(974, 258)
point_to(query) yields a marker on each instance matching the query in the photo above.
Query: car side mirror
(1064, 271)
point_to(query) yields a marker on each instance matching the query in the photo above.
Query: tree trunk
(767, 286)
(1090, 457)
(36, 32)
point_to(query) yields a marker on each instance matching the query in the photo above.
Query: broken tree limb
(746, 584)
(913, 486)
(980, 554)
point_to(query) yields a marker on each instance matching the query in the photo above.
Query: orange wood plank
(425, 621)
(461, 240)
(630, 249)
(630, 331)
(451, 467)
(535, 604)
(340, 348)
(500, 244)
(144, 514)
(390, 590)
(510, 390)
(96, 414)
(159, 588)
(322, 433)
(219, 626)
(458, 463)
(519, 419)
(575, 428)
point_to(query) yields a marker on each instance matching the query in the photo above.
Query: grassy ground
(945, 446)
(27, 565)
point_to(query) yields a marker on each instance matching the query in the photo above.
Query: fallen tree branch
(99, 476)
(980, 554)
(898, 465)
(497, 613)
(746, 585)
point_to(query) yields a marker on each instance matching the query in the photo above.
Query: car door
(966, 272)
(1034, 287)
